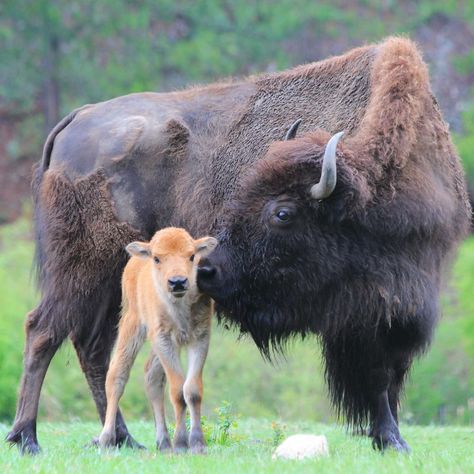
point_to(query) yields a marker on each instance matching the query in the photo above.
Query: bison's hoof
(30, 447)
(390, 440)
(25, 441)
(129, 442)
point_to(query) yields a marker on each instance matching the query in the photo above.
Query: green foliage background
(87, 51)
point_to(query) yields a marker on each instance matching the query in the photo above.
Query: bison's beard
(272, 326)
(355, 327)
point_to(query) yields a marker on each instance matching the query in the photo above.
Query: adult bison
(357, 260)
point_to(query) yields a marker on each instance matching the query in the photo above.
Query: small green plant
(278, 431)
(226, 420)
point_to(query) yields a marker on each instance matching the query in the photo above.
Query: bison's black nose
(178, 284)
(206, 271)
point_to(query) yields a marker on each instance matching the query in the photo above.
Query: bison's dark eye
(282, 216)
(280, 213)
(191, 258)
(156, 259)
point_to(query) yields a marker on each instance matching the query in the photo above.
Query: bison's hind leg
(45, 332)
(80, 249)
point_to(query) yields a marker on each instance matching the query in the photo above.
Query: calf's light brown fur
(161, 301)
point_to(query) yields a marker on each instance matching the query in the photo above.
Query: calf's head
(281, 238)
(174, 256)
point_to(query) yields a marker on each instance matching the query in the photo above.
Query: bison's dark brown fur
(203, 159)
(362, 268)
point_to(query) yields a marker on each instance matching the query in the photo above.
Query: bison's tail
(49, 143)
(37, 218)
(38, 172)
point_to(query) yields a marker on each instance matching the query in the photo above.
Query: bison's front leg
(384, 431)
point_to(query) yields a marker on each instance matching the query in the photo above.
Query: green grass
(435, 449)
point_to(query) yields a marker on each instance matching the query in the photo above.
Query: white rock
(302, 446)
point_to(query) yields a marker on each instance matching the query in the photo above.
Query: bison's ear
(139, 249)
(205, 246)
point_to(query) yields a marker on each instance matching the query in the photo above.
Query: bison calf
(161, 301)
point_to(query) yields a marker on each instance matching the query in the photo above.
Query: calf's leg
(155, 380)
(168, 353)
(197, 353)
(43, 337)
(130, 340)
(94, 346)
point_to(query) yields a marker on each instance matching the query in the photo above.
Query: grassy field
(248, 449)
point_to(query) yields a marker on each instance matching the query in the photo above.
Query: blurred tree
(59, 53)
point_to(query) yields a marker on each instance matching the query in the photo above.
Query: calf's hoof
(197, 444)
(198, 448)
(107, 439)
(118, 440)
(180, 445)
(164, 445)
(25, 440)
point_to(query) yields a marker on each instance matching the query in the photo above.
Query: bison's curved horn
(328, 180)
(291, 133)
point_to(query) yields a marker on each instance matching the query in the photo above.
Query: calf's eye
(191, 258)
(156, 259)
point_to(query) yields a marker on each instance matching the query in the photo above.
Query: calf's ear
(205, 246)
(139, 249)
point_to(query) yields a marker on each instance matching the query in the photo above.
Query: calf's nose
(178, 283)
